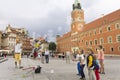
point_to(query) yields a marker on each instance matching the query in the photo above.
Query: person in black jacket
(90, 64)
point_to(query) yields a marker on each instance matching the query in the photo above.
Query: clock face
(80, 26)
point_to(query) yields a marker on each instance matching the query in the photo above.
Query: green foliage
(52, 46)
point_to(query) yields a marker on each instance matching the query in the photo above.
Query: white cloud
(50, 36)
(100, 7)
(68, 20)
(45, 16)
(59, 28)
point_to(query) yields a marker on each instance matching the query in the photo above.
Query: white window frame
(117, 38)
(100, 29)
(116, 25)
(95, 32)
(109, 40)
(102, 40)
(90, 42)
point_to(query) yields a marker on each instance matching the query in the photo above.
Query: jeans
(82, 72)
(47, 58)
(79, 68)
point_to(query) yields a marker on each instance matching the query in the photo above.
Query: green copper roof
(76, 2)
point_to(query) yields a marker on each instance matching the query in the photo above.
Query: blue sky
(50, 17)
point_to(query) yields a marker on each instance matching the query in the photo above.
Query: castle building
(103, 31)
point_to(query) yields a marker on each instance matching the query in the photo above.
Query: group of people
(36, 52)
(3, 55)
(90, 65)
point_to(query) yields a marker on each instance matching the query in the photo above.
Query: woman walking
(100, 57)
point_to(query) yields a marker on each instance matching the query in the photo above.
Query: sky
(50, 17)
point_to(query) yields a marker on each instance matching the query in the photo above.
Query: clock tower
(77, 17)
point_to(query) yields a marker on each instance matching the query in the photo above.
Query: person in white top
(77, 59)
(68, 57)
(18, 52)
(47, 53)
(82, 64)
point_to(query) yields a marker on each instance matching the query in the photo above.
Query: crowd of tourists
(36, 53)
(89, 64)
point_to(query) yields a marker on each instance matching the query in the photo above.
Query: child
(96, 68)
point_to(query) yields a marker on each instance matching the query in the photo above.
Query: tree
(52, 46)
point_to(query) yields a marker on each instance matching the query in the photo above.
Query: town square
(59, 40)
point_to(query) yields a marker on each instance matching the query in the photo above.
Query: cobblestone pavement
(57, 69)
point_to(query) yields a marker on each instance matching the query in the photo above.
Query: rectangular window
(110, 39)
(82, 40)
(101, 41)
(90, 33)
(95, 42)
(91, 43)
(112, 49)
(117, 25)
(86, 43)
(95, 32)
(118, 38)
(108, 28)
(119, 48)
(100, 30)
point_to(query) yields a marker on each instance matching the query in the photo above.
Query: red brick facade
(104, 31)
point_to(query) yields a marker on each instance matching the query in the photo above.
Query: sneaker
(78, 74)
(103, 73)
(82, 78)
(20, 67)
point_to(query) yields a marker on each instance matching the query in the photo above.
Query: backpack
(38, 69)
(94, 63)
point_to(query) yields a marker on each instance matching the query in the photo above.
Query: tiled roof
(103, 20)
